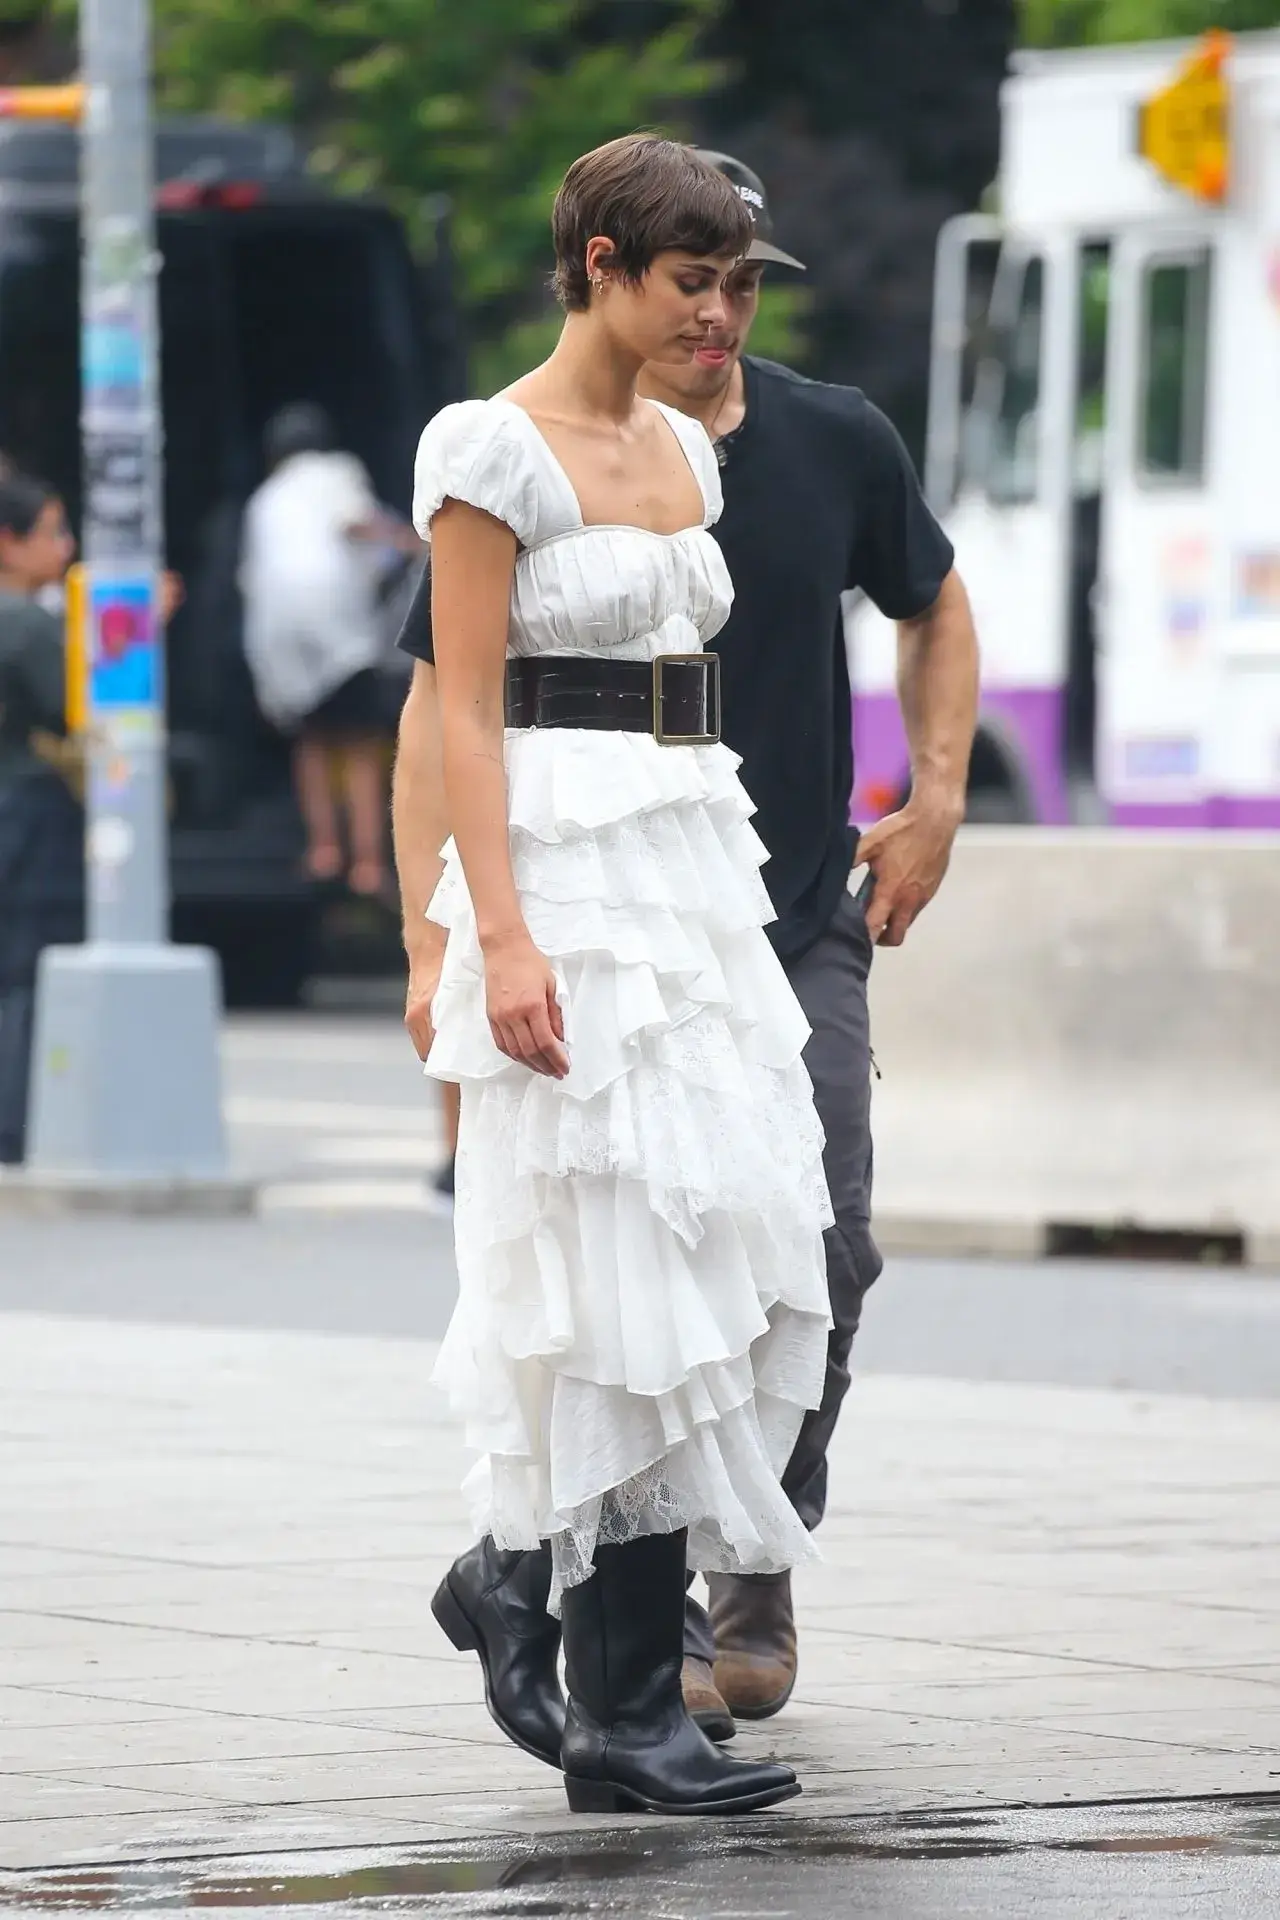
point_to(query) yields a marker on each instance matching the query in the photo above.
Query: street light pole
(125, 1082)
(121, 464)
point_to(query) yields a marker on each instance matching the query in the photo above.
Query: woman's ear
(600, 259)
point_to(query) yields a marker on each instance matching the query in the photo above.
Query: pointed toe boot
(629, 1744)
(494, 1604)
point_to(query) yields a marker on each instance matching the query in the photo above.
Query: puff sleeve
(473, 451)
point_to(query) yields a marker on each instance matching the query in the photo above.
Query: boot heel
(592, 1796)
(452, 1620)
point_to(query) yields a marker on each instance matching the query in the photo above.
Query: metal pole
(125, 1076)
(123, 539)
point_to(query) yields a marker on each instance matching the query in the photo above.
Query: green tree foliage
(1072, 23)
(480, 103)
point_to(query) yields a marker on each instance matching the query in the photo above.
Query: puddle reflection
(566, 1862)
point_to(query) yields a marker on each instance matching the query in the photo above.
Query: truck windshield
(1002, 441)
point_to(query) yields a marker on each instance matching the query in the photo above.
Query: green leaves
(483, 101)
(1070, 23)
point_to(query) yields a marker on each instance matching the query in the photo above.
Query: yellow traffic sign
(1184, 130)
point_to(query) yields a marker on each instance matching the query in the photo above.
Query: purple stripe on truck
(1026, 721)
(1222, 811)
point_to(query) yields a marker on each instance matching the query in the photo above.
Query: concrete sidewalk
(217, 1549)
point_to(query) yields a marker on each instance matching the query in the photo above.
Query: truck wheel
(995, 807)
(999, 791)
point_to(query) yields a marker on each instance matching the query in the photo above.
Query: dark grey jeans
(830, 982)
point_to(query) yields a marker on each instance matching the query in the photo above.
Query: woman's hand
(424, 979)
(524, 1016)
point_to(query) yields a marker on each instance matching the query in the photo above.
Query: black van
(271, 289)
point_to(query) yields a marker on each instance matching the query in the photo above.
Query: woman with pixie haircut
(642, 1316)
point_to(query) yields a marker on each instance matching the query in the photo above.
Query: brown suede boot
(755, 1633)
(702, 1703)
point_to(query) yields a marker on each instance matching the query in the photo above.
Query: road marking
(314, 1047)
(379, 1150)
(331, 1116)
(350, 1196)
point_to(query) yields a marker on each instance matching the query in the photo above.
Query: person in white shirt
(309, 577)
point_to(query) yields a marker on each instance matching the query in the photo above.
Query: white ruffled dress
(642, 1315)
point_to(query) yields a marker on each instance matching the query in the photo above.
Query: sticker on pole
(113, 360)
(125, 678)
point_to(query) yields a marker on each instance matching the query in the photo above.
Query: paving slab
(217, 1550)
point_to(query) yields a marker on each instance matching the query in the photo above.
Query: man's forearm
(938, 691)
(419, 815)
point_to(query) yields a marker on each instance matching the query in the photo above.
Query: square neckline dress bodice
(642, 1314)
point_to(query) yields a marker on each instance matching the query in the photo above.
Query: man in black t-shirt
(819, 498)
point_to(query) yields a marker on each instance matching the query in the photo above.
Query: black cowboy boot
(495, 1604)
(628, 1741)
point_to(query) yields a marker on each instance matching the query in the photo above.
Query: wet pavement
(1050, 1576)
(217, 1548)
(1164, 1860)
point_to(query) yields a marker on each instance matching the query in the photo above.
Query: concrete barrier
(1083, 1030)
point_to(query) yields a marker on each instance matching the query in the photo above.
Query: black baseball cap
(751, 188)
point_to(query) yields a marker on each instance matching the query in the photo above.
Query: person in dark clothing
(41, 819)
(820, 498)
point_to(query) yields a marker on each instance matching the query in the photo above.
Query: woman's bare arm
(419, 829)
(472, 561)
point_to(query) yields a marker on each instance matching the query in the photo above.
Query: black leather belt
(675, 697)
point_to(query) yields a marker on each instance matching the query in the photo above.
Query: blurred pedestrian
(41, 816)
(313, 636)
(820, 498)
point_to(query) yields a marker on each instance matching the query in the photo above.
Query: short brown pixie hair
(648, 196)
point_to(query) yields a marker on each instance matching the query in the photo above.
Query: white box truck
(1104, 447)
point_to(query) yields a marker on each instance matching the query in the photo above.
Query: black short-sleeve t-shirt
(820, 497)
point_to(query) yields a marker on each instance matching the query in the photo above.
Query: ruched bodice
(620, 592)
(579, 587)
(642, 1311)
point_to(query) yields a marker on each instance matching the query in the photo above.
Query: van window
(1093, 315)
(40, 349)
(1171, 396)
(257, 307)
(962, 341)
(1013, 456)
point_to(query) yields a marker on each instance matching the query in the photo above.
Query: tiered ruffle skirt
(642, 1315)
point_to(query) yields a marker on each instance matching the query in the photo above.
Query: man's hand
(424, 978)
(908, 852)
(938, 686)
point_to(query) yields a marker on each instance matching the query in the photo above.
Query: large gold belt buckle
(710, 702)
